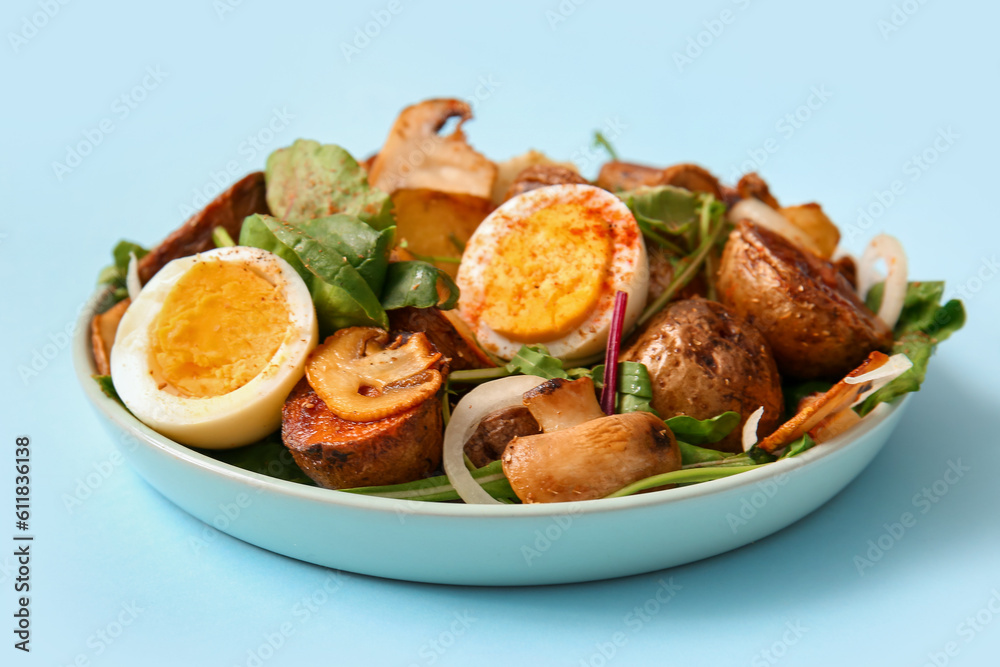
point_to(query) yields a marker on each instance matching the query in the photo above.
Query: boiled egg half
(213, 344)
(544, 268)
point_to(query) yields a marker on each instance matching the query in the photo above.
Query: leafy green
(922, 324)
(415, 283)
(268, 457)
(108, 387)
(536, 360)
(113, 275)
(336, 257)
(703, 431)
(439, 489)
(799, 446)
(311, 180)
(666, 209)
(688, 476)
(221, 238)
(635, 389)
(600, 141)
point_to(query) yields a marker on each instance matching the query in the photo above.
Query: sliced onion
(757, 211)
(750, 429)
(486, 398)
(132, 277)
(881, 376)
(891, 250)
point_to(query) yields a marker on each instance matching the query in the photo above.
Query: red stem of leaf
(611, 358)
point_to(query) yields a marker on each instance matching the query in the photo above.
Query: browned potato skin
(340, 454)
(691, 177)
(103, 328)
(597, 458)
(616, 176)
(428, 218)
(245, 197)
(704, 360)
(461, 354)
(806, 309)
(540, 175)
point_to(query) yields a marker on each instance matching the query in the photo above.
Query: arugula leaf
(311, 180)
(922, 324)
(799, 446)
(342, 296)
(415, 283)
(665, 211)
(536, 360)
(701, 431)
(439, 489)
(108, 387)
(114, 274)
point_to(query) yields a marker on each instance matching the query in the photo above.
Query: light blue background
(209, 602)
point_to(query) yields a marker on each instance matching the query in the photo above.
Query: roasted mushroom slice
(691, 177)
(538, 176)
(416, 156)
(752, 186)
(496, 430)
(590, 459)
(341, 454)
(361, 379)
(704, 360)
(815, 323)
(246, 197)
(616, 176)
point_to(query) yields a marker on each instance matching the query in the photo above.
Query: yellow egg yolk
(546, 274)
(219, 326)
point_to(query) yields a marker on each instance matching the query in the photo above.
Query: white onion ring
(757, 211)
(881, 376)
(132, 282)
(750, 429)
(474, 406)
(891, 250)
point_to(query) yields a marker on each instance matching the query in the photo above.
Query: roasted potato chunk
(539, 176)
(244, 198)
(704, 360)
(814, 321)
(103, 328)
(616, 176)
(341, 454)
(438, 224)
(691, 177)
(458, 347)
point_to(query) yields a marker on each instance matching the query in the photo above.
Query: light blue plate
(487, 545)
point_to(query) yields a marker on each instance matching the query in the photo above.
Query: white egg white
(219, 422)
(629, 270)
